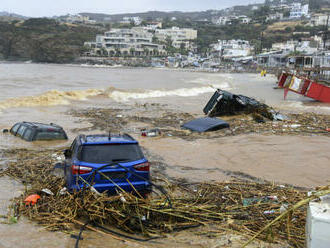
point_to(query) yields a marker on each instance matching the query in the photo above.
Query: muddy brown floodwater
(132, 99)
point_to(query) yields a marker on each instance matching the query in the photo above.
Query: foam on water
(49, 98)
(56, 97)
(123, 96)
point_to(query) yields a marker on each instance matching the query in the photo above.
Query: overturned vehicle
(225, 103)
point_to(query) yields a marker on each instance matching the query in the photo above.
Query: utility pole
(261, 41)
(325, 33)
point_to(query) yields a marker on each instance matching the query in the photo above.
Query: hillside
(43, 40)
(12, 15)
(193, 16)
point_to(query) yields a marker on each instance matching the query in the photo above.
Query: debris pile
(237, 206)
(169, 123)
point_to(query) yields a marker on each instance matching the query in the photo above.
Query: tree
(155, 39)
(146, 51)
(132, 51)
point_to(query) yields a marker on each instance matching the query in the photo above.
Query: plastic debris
(280, 117)
(269, 212)
(283, 208)
(151, 133)
(122, 198)
(31, 199)
(63, 191)
(47, 191)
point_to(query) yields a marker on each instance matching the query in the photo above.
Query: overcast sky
(37, 8)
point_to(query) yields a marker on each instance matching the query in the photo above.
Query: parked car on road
(32, 131)
(108, 163)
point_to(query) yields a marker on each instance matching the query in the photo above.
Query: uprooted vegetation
(237, 206)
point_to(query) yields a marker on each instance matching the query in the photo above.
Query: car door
(28, 134)
(68, 162)
(21, 131)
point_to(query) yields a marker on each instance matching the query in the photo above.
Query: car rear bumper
(141, 187)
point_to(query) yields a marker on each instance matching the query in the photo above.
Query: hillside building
(298, 10)
(180, 37)
(320, 20)
(232, 48)
(132, 19)
(124, 42)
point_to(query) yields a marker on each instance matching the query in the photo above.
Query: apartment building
(320, 20)
(232, 48)
(298, 10)
(124, 42)
(179, 36)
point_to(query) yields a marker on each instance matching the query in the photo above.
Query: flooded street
(50, 93)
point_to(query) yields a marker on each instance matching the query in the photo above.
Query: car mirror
(67, 153)
(5, 130)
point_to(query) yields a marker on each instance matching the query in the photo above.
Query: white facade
(233, 48)
(178, 36)
(222, 20)
(228, 20)
(320, 20)
(135, 19)
(309, 46)
(76, 19)
(298, 10)
(153, 25)
(275, 16)
(135, 41)
(244, 19)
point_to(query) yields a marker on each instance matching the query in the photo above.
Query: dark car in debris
(32, 131)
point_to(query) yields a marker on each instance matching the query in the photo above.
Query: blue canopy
(205, 124)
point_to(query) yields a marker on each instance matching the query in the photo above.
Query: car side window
(14, 129)
(73, 145)
(28, 134)
(20, 131)
(44, 135)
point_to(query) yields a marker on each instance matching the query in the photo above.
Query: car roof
(41, 125)
(101, 139)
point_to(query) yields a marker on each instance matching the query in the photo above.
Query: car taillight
(79, 170)
(142, 167)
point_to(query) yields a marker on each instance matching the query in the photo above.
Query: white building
(306, 46)
(134, 42)
(284, 46)
(179, 36)
(320, 20)
(132, 19)
(221, 20)
(228, 20)
(275, 16)
(244, 19)
(297, 10)
(232, 48)
(152, 26)
(76, 19)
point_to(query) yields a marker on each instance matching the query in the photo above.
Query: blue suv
(108, 163)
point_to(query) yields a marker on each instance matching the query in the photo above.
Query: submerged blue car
(109, 163)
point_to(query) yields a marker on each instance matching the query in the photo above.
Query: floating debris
(217, 205)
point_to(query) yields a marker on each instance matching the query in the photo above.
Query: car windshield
(50, 135)
(110, 153)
